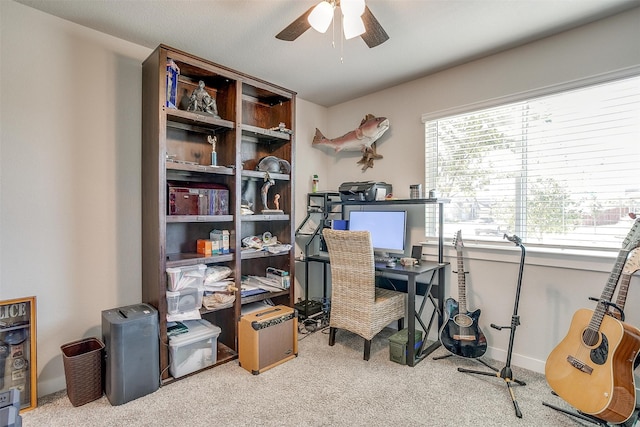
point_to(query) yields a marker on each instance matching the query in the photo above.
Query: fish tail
(318, 137)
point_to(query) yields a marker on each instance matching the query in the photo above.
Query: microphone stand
(506, 373)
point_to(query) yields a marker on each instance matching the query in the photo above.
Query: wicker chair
(357, 305)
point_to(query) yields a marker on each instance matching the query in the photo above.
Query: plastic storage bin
(83, 370)
(195, 349)
(398, 345)
(184, 300)
(191, 276)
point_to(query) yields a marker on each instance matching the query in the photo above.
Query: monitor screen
(388, 229)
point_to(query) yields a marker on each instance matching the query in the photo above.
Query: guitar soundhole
(599, 354)
(590, 337)
(463, 320)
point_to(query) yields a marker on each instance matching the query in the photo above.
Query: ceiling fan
(357, 20)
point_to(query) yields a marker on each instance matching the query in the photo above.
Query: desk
(411, 273)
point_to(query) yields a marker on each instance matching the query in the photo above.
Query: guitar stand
(595, 420)
(631, 422)
(578, 414)
(444, 356)
(506, 373)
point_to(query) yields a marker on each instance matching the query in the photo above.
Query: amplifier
(267, 338)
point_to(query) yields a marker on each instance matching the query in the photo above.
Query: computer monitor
(388, 229)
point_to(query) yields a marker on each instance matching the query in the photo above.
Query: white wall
(550, 292)
(70, 173)
(309, 161)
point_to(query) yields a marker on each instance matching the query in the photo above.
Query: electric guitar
(592, 367)
(460, 334)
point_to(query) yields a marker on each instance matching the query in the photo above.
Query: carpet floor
(327, 386)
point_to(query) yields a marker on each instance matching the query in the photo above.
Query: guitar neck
(631, 265)
(621, 300)
(630, 242)
(607, 293)
(462, 287)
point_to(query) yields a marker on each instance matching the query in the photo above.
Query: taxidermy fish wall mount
(362, 139)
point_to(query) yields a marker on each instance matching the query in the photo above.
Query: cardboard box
(281, 276)
(216, 247)
(204, 247)
(220, 237)
(187, 198)
(183, 201)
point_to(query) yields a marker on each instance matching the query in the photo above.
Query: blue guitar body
(458, 338)
(460, 333)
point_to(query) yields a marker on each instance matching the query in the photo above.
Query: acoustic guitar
(592, 367)
(460, 333)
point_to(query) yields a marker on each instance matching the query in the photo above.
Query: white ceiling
(425, 36)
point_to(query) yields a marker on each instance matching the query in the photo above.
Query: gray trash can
(132, 361)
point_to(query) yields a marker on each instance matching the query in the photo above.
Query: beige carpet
(325, 386)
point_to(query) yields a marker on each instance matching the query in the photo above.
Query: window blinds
(557, 170)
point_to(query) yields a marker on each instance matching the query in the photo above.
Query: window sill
(577, 259)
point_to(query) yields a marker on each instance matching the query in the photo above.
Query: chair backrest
(352, 267)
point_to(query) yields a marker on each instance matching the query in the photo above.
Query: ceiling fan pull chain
(341, 39)
(333, 31)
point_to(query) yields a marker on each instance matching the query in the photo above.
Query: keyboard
(384, 259)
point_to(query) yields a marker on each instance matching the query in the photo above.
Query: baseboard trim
(518, 360)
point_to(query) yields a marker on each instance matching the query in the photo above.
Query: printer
(364, 191)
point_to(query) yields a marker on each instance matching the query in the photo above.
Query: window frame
(547, 253)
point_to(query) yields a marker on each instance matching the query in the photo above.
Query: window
(557, 170)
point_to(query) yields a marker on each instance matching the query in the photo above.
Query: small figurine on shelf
(202, 102)
(214, 156)
(282, 128)
(172, 83)
(264, 192)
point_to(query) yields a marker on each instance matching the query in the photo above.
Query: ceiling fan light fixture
(321, 16)
(352, 7)
(353, 26)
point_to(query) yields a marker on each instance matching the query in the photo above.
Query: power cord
(313, 324)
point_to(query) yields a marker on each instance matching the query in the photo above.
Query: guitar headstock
(632, 240)
(632, 264)
(457, 240)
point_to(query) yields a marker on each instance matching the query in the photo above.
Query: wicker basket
(83, 370)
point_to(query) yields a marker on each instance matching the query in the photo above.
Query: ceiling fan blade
(374, 34)
(296, 28)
